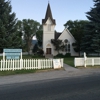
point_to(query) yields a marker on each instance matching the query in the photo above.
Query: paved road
(68, 72)
(77, 88)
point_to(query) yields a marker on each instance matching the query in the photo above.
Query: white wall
(67, 35)
(48, 34)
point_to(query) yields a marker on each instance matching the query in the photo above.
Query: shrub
(59, 55)
(67, 55)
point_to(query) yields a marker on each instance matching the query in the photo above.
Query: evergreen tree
(91, 39)
(9, 35)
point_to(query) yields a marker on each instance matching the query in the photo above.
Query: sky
(62, 10)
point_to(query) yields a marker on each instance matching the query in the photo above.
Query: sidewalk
(68, 72)
(69, 68)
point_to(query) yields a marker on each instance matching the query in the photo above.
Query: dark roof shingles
(57, 34)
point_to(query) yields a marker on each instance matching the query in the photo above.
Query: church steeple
(48, 15)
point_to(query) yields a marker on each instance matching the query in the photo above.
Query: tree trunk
(29, 46)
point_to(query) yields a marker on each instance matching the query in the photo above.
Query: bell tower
(48, 31)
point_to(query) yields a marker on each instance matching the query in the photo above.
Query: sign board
(12, 53)
(56, 63)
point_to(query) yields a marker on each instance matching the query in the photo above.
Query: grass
(69, 61)
(11, 72)
(32, 57)
(1, 57)
(5, 73)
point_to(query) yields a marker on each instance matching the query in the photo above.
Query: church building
(49, 33)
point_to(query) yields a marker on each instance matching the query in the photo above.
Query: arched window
(67, 48)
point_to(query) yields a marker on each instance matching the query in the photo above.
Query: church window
(65, 40)
(68, 47)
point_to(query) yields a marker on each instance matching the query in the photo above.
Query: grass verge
(15, 72)
(5, 73)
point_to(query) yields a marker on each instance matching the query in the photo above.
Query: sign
(12, 50)
(56, 63)
(12, 53)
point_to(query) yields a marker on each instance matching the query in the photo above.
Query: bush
(67, 55)
(59, 55)
(40, 52)
(63, 56)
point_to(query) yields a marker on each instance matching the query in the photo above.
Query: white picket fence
(27, 64)
(79, 62)
(89, 61)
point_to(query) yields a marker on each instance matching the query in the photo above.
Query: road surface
(77, 88)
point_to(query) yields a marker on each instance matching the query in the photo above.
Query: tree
(35, 48)
(58, 44)
(39, 35)
(10, 37)
(29, 28)
(92, 42)
(77, 30)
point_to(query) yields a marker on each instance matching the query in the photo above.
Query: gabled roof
(48, 15)
(57, 34)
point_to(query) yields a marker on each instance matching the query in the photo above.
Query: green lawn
(69, 61)
(1, 57)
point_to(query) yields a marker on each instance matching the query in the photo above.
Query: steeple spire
(48, 12)
(48, 15)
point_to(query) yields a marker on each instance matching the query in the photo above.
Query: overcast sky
(62, 10)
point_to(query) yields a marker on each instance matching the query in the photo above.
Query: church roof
(48, 15)
(57, 34)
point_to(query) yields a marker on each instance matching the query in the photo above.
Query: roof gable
(68, 33)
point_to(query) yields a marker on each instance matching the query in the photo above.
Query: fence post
(92, 62)
(84, 63)
(39, 65)
(21, 61)
(13, 63)
(75, 62)
(85, 59)
(61, 62)
(1, 65)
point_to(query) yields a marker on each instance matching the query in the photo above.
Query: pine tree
(91, 39)
(9, 35)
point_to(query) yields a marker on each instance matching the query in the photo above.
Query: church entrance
(48, 50)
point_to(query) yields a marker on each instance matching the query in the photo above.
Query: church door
(48, 50)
